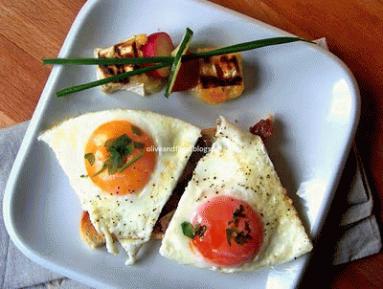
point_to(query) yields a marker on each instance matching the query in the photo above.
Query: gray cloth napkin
(359, 231)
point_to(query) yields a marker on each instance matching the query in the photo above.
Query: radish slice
(158, 44)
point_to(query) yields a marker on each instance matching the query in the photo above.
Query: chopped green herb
(83, 176)
(188, 229)
(233, 232)
(242, 237)
(136, 130)
(90, 158)
(132, 161)
(119, 143)
(119, 149)
(239, 212)
(100, 171)
(200, 230)
(191, 231)
(229, 234)
(114, 161)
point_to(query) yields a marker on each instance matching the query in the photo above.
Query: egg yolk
(232, 231)
(133, 159)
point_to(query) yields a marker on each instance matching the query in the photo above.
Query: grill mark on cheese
(135, 52)
(118, 52)
(222, 64)
(219, 71)
(212, 81)
(232, 60)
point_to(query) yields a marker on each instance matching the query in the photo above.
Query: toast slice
(89, 234)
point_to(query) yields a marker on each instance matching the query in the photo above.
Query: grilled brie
(142, 84)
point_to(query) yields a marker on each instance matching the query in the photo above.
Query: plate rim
(46, 94)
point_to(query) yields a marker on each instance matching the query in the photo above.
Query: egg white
(130, 218)
(238, 166)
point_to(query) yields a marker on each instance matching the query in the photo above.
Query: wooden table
(33, 29)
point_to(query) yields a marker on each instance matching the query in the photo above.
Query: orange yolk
(135, 176)
(234, 231)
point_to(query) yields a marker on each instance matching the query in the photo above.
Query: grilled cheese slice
(220, 78)
(141, 84)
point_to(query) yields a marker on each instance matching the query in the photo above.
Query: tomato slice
(188, 75)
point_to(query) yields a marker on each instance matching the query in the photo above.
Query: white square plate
(312, 95)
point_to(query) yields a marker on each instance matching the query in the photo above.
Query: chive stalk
(103, 81)
(132, 161)
(175, 67)
(108, 61)
(243, 47)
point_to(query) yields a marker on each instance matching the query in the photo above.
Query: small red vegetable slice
(188, 75)
(158, 44)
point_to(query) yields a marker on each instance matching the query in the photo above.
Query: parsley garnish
(229, 234)
(192, 231)
(200, 230)
(188, 229)
(119, 150)
(243, 236)
(240, 237)
(100, 171)
(233, 232)
(239, 212)
(119, 144)
(90, 158)
(132, 161)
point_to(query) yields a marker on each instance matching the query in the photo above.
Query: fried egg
(235, 214)
(123, 165)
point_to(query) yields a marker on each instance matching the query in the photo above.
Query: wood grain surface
(33, 29)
